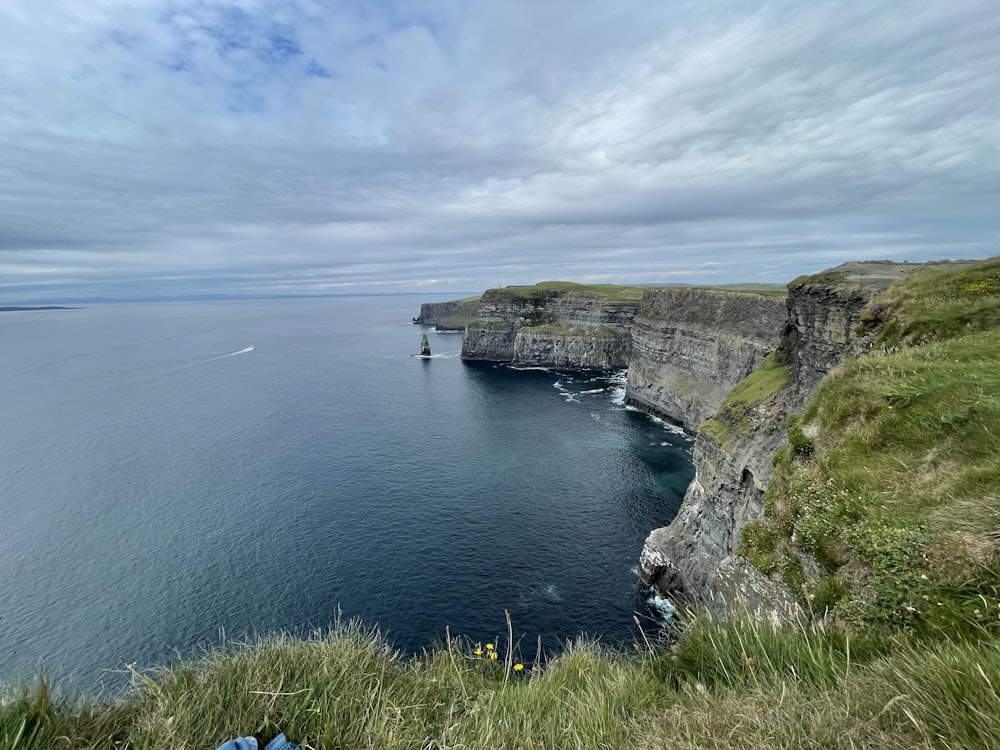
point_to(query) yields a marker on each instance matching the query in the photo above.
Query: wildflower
(489, 646)
(478, 651)
(493, 655)
(518, 667)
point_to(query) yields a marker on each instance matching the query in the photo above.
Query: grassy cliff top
(892, 479)
(768, 290)
(622, 293)
(546, 289)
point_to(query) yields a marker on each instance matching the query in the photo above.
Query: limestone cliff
(545, 326)
(691, 346)
(694, 557)
(452, 315)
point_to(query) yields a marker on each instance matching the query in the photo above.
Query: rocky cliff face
(694, 557)
(533, 327)
(691, 346)
(451, 315)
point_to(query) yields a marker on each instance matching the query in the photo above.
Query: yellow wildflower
(489, 646)
(518, 667)
(478, 651)
(493, 655)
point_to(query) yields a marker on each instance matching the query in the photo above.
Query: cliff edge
(828, 319)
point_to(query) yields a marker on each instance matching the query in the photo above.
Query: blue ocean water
(162, 484)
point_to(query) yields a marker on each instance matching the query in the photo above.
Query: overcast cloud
(175, 147)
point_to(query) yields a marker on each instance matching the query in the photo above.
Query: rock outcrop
(695, 557)
(691, 346)
(448, 316)
(545, 327)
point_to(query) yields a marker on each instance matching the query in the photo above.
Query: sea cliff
(695, 557)
(452, 315)
(732, 367)
(691, 346)
(554, 325)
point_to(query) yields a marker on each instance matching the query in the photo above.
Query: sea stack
(425, 347)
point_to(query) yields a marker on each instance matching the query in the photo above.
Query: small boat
(251, 348)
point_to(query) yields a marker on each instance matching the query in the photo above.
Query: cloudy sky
(177, 147)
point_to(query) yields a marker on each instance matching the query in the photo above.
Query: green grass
(896, 489)
(739, 684)
(939, 304)
(736, 412)
(766, 290)
(546, 289)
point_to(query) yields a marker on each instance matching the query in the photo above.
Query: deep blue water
(159, 486)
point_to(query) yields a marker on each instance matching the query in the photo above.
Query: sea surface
(164, 486)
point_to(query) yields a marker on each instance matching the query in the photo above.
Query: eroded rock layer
(691, 346)
(531, 327)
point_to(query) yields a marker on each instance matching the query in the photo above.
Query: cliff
(827, 320)
(736, 368)
(453, 315)
(554, 325)
(690, 346)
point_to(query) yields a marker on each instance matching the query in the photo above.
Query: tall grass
(736, 684)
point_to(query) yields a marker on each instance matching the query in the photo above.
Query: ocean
(176, 474)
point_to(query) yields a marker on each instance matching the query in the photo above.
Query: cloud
(255, 146)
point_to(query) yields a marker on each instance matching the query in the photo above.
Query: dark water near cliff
(158, 485)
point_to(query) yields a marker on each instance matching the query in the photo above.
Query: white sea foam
(595, 390)
(663, 606)
(668, 426)
(551, 592)
(568, 395)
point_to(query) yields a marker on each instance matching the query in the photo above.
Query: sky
(171, 148)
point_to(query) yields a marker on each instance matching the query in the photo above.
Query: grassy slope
(895, 483)
(741, 685)
(894, 479)
(734, 414)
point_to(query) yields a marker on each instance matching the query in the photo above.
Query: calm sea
(162, 484)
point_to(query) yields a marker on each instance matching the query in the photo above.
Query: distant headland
(18, 308)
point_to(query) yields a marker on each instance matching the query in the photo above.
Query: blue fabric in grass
(250, 743)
